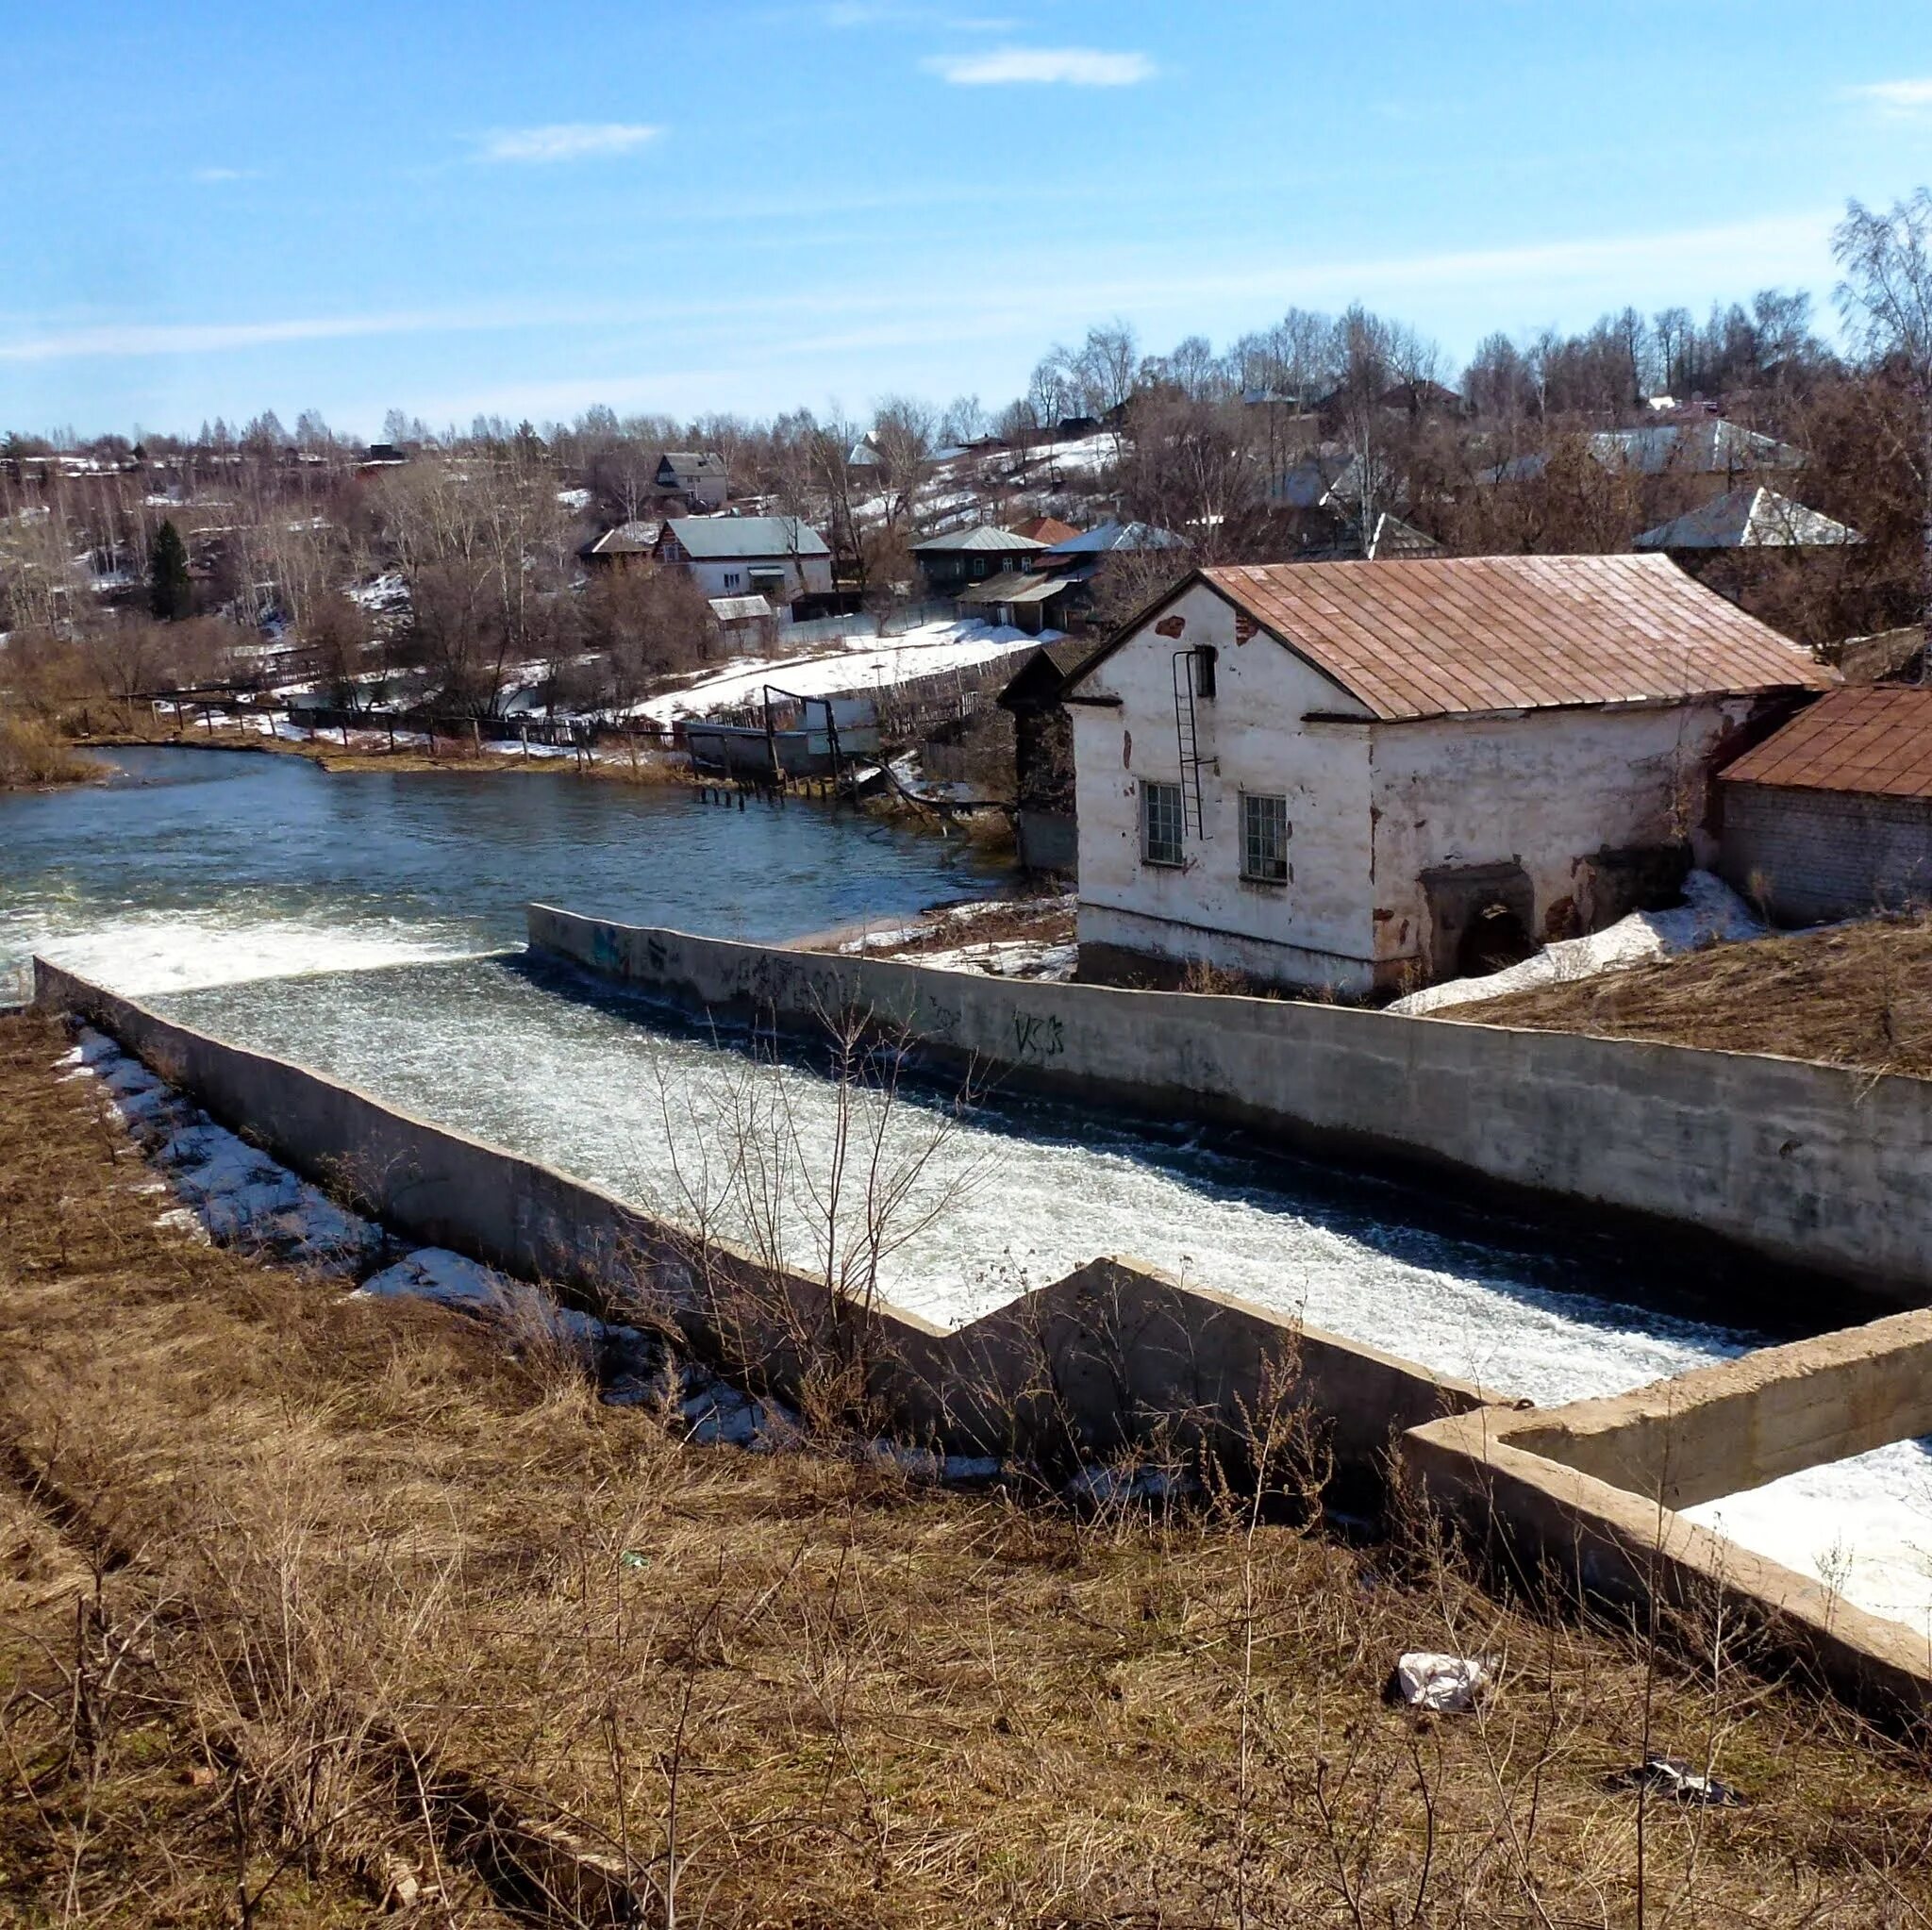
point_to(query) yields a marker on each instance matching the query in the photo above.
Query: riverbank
(871, 1700)
(33, 758)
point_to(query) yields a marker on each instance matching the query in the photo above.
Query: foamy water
(144, 952)
(1022, 1192)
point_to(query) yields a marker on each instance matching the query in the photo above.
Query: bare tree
(1886, 297)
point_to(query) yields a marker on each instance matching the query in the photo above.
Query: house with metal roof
(781, 558)
(960, 557)
(699, 475)
(1831, 816)
(1751, 517)
(1708, 446)
(1367, 776)
(628, 546)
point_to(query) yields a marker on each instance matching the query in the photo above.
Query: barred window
(1161, 825)
(1264, 838)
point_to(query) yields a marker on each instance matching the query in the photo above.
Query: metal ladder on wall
(1187, 741)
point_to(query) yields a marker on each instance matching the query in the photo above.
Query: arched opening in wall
(1493, 940)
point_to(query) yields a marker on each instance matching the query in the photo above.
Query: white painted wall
(1371, 806)
(1317, 925)
(1546, 790)
(804, 576)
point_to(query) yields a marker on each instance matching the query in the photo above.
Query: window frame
(1167, 789)
(1280, 830)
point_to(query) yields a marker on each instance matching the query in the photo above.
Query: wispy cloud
(1898, 100)
(212, 177)
(566, 140)
(1042, 67)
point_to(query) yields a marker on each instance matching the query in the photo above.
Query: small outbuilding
(1831, 817)
(1365, 776)
(1044, 787)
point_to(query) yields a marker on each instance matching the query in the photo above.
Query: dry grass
(792, 1688)
(1854, 996)
(32, 757)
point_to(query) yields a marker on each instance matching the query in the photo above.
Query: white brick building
(1362, 777)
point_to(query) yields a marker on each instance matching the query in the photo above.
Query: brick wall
(1816, 855)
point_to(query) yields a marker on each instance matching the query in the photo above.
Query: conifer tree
(168, 589)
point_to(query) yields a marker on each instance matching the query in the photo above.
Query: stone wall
(1812, 855)
(1814, 1167)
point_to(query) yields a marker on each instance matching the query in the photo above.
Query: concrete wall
(1594, 1487)
(1813, 1165)
(1817, 854)
(1115, 1354)
(1371, 806)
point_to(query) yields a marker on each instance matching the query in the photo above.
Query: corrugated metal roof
(983, 536)
(1110, 537)
(1749, 518)
(693, 463)
(740, 609)
(1874, 739)
(732, 538)
(1430, 637)
(1014, 586)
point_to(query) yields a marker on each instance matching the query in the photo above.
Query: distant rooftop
(1110, 537)
(1756, 518)
(983, 536)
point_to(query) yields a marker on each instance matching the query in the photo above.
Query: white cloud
(1042, 66)
(566, 140)
(214, 177)
(1895, 99)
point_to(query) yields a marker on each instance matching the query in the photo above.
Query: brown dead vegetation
(333, 1557)
(1852, 995)
(33, 758)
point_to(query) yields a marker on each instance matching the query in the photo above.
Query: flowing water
(203, 873)
(196, 867)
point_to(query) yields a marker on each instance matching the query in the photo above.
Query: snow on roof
(1749, 518)
(728, 538)
(920, 653)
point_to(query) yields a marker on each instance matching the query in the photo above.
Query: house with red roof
(1366, 777)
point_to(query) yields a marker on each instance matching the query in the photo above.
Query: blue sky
(214, 208)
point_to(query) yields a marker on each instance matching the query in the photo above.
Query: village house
(629, 546)
(962, 558)
(1831, 816)
(1366, 777)
(779, 557)
(698, 476)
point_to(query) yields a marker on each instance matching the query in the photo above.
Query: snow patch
(1712, 913)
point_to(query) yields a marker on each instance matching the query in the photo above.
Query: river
(340, 921)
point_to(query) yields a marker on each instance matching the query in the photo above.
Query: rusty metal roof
(1874, 739)
(1435, 636)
